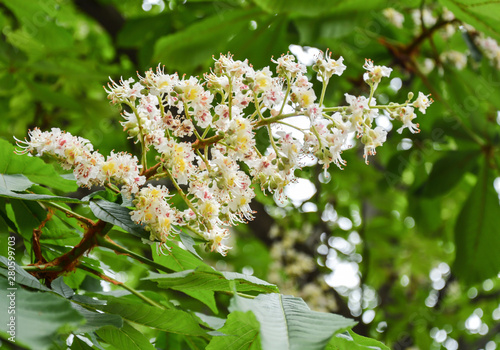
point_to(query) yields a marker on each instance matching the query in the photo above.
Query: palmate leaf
(117, 215)
(477, 233)
(33, 168)
(287, 322)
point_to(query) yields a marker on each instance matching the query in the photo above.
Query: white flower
(375, 73)
(288, 67)
(372, 139)
(394, 17)
(422, 102)
(406, 115)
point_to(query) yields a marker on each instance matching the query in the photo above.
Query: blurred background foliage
(408, 245)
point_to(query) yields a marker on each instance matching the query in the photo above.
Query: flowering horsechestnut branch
(203, 131)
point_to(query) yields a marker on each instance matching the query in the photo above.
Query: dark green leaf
(287, 322)
(241, 331)
(38, 317)
(447, 172)
(202, 39)
(169, 320)
(117, 215)
(96, 320)
(126, 337)
(22, 277)
(477, 233)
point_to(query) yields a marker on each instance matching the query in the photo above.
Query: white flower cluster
(213, 173)
(89, 167)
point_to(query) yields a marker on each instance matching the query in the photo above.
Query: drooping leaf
(206, 278)
(14, 182)
(177, 259)
(117, 215)
(126, 337)
(38, 317)
(319, 7)
(95, 320)
(287, 322)
(22, 277)
(448, 171)
(168, 320)
(37, 197)
(33, 168)
(477, 233)
(29, 215)
(353, 341)
(241, 331)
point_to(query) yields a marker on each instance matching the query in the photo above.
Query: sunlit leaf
(287, 322)
(241, 331)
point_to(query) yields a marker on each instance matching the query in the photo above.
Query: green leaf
(210, 321)
(14, 182)
(33, 168)
(352, 341)
(38, 316)
(126, 337)
(241, 331)
(96, 320)
(202, 39)
(177, 259)
(37, 197)
(189, 243)
(477, 233)
(318, 7)
(29, 215)
(206, 278)
(117, 215)
(447, 172)
(168, 320)
(483, 15)
(287, 322)
(22, 277)
(79, 344)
